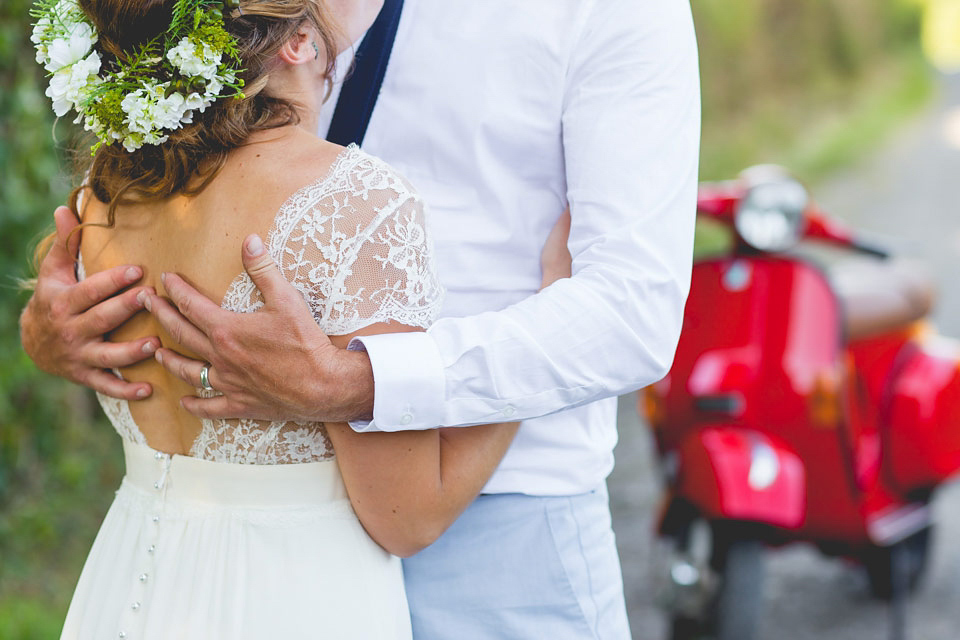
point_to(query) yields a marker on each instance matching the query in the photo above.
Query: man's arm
(631, 124)
(63, 325)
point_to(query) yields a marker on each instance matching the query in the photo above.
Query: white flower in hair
(146, 92)
(168, 111)
(39, 38)
(186, 59)
(69, 84)
(195, 101)
(71, 48)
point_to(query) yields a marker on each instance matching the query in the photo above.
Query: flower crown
(154, 89)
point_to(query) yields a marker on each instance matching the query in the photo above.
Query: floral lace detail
(250, 442)
(118, 411)
(355, 245)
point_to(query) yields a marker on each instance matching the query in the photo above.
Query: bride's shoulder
(373, 173)
(367, 189)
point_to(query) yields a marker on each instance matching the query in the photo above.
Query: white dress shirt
(502, 113)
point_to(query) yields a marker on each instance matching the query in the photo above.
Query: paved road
(907, 193)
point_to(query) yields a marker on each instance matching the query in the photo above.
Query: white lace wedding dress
(251, 536)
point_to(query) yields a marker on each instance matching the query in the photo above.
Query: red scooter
(805, 403)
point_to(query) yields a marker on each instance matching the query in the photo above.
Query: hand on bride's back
(63, 325)
(275, 364)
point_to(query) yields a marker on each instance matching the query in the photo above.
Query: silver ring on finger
(205, 378)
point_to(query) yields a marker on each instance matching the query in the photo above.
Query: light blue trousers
(516, 567)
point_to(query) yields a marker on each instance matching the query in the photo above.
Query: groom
(502, 114)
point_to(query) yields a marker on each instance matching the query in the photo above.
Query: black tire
(740, 596)
(734, 609)
(880, 563)
(686, 629)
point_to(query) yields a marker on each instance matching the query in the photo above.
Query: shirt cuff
(408, 379)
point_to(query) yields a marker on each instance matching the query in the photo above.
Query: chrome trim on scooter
(897, 523)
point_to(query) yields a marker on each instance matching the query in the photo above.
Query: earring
(316, 50)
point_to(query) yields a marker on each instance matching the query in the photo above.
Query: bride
(205, 115)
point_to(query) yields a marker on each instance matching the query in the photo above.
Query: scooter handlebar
(718, 200)
(822, 227)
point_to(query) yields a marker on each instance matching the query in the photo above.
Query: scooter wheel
(881, 563)
(736, 561)
(739, 599)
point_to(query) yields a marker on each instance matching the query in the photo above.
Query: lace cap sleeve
(357, 248)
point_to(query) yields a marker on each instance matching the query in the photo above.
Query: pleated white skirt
(198, 549)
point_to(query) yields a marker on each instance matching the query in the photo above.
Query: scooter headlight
(770, 216)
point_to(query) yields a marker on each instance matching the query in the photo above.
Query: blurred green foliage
(807, 83)
(59, 461)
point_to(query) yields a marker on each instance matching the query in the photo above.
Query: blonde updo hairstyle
(196, 151)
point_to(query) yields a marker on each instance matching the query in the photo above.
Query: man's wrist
(348, 391)
(29, 334)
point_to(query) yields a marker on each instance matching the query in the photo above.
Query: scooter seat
(880, 296)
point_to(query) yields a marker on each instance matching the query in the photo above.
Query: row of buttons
(155, 518)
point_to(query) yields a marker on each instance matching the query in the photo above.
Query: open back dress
(251, 534)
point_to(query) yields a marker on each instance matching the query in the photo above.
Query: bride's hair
(116, 176)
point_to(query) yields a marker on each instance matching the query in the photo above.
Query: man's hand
(275, 364)
(63, 324)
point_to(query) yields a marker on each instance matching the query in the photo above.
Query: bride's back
(198, 237)
(343, 227)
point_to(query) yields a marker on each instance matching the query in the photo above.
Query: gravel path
(908, 194)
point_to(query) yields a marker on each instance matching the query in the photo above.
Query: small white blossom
(214, 87)
(137, 107)
(39, 35)
(168, 112)
(69, 85)
(194, 101)
(184, 57)
(133, 142)
(73, 46)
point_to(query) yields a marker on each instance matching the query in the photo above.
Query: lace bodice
(355, 244)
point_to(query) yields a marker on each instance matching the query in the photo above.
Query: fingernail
(159, 357)
(142, 298)
(163, 277)
(254, 246)
(142, 393)
(148, 347)
(132, 274)
(146, 301)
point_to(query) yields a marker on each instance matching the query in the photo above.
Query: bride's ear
(301, 48)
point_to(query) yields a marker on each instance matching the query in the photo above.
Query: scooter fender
(732, 473)
(923, 431)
